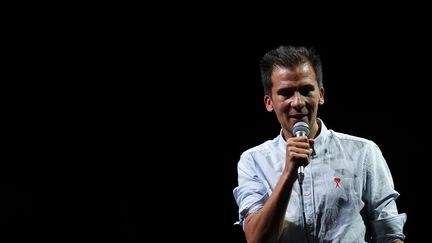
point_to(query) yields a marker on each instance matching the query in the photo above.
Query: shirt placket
(308, 203)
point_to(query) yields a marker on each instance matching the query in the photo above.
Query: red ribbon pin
(337, 181)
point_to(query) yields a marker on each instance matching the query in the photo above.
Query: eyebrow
(307, 86)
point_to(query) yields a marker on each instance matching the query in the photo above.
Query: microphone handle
(300, 170)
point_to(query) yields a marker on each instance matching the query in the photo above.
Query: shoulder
(358, 142)
(263, 148)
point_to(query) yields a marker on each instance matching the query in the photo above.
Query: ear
(268, 103)
(321, 99)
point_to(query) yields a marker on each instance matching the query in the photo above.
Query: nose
(297, 100)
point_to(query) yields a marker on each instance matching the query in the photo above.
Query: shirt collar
(324, 132)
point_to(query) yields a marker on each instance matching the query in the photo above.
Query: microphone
(301, 129)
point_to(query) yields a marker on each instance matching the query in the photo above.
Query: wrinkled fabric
(347, 185)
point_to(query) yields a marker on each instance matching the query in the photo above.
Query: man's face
(295, 96)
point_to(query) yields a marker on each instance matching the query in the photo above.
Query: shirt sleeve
(251, 193)
(380, 195)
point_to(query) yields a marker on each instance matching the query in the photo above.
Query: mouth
(298, 117)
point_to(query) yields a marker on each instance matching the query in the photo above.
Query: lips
(297, 116)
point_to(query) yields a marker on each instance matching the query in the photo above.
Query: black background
(118, 128)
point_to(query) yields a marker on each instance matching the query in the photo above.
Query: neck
(316, 129)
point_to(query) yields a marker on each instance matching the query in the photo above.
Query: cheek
(284, 106)
(312, 104)
(314, 101)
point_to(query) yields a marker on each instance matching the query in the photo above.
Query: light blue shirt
(346, 185)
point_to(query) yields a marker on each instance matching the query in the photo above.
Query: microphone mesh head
(301, 128)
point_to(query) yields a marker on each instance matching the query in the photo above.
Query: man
(320, 186)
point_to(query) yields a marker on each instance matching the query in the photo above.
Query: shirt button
(307, 193)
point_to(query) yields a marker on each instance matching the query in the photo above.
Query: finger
(297, 150)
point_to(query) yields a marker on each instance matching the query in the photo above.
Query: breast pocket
(342, 190)
(341, 201)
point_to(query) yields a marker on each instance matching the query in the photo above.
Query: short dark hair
(289, 56)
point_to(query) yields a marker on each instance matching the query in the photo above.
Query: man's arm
(266, 225)
(385, 220)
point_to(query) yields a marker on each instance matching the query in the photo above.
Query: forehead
(302, 73)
